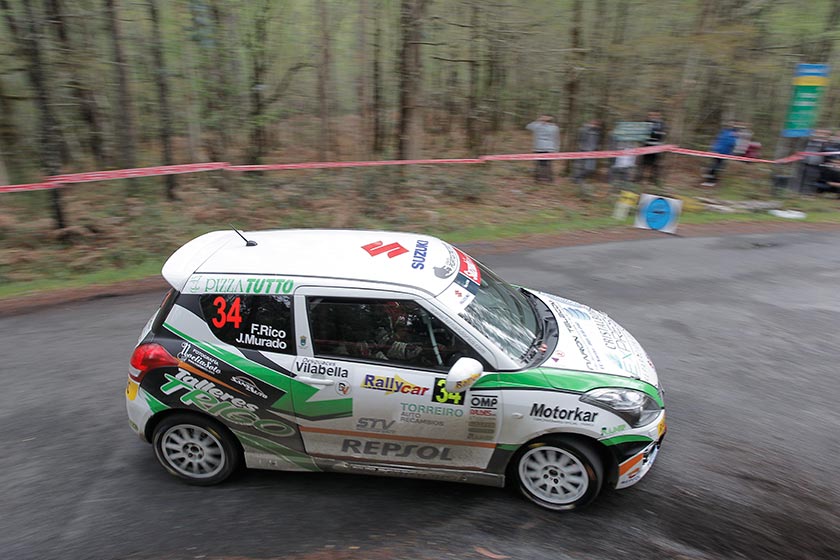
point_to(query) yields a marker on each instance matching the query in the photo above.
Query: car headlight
(635, 407)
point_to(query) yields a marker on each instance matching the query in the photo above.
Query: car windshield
(504, 315)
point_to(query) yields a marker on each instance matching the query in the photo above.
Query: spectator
(621, 172)
(656, 138)
(830, 168)
(724, 144)
(742, 144)
(589, 138)
(810, 170)
(546, 140)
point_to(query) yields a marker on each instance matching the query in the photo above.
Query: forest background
(108, 84)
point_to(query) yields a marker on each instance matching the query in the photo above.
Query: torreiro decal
(224, 409)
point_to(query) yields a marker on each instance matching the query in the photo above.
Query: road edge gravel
(18, 305)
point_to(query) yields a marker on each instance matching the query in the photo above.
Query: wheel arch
(608, 460)
(154, 422)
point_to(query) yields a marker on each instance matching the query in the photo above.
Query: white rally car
(386, 353)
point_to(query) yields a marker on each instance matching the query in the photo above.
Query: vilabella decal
(313, 366)
(390, 385)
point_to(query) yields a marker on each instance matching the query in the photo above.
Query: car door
(390, 353)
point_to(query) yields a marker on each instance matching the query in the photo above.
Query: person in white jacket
(546, 140)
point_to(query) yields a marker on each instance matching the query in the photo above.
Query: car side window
(388, 331)
(257, 322)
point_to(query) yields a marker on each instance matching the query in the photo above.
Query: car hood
(590, 341)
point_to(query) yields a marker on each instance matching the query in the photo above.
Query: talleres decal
(396, 450)
(197, 357)
(239, 285)
(212, 389)
(557, 413)
(232, 410)
(323, 368)
(391, 385)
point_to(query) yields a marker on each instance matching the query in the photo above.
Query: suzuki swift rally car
(386, 353)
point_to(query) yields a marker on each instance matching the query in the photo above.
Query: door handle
(316, 380)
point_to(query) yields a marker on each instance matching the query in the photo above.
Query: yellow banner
(810, 81)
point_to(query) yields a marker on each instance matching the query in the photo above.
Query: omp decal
(353, 433)
(206, 402)
(295, 401)
(625, 439)
(282, 452)
(625, 467)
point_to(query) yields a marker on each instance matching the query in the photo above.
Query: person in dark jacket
(723, 144)
(589, 138)
(656, 138)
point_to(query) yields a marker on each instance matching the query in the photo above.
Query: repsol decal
(227, 410)
(396, 450)
(546, 412)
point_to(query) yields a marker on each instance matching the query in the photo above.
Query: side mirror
(463, 374)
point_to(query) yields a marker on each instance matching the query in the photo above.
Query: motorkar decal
(233, 410)
(390, 385)
(576, 415)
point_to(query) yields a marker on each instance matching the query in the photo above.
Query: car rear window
(165, 308)
(261, 322)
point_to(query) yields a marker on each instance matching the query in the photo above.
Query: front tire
(559, 474)
(196, 449)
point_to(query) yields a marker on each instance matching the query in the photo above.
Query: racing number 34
(229, 315)
(441, 395)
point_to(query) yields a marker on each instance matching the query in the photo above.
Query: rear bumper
(137, 408)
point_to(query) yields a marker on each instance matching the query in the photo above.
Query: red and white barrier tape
(72, 178)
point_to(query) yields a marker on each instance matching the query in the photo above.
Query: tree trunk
(123, 119)
(28, 37)
(573, 82)
(363, 83)
(258, 76)
(472, 96)
(410, 128)
(378, 144)
(325, 136)
(161, 81)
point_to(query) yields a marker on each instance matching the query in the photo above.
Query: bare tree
(378, 141)
(573, 80)
(161, 81)
(124, 113)
(324, 89)
(410, 71)
(363, 82)
(28, 36)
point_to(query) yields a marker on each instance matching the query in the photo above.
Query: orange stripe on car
(195, 370)
(629, 464)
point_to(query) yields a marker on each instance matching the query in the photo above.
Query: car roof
(414, 260)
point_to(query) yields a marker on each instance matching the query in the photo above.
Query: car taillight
(147, 357)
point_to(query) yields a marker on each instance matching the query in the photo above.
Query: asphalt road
(744, 331)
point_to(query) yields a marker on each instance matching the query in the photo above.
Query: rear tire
(559, 474)
(196, 449)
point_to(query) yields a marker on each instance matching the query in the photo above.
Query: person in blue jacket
(723, 144)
